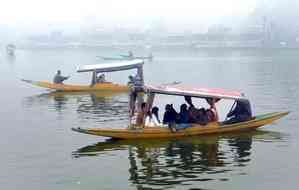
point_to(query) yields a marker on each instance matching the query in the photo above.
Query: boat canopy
(193, 91)
(110, 67)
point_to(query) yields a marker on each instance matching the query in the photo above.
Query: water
(39, 151)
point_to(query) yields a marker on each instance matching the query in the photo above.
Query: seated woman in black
(170, 115)
(184, 114)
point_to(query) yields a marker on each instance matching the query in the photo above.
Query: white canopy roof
(110, 67)
(194, 91)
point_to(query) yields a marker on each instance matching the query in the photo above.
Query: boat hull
(195, 129)
(80, 88)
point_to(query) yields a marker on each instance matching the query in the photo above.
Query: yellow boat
(107, 86)
(111, 144)
(99, 68)
(140, 131)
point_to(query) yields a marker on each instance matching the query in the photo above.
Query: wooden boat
(99, 68)
(114, 144)
(127, 57)
(107, 86)
(96, 94)
(117, 58)
(72, 94)
(149, 57)
(134, 131)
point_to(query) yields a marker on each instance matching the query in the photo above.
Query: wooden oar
(231, 109)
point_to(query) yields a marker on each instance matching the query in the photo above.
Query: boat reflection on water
(104, 107)
(163, 163)
(101, 106)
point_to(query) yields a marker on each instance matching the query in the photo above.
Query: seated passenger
(141, 115)
(202, 118)
(58, 78)
(196, 115)
(170, 115)
(155, 112)
(242, 112)
(184, 114)
(152, 118)
(97, 79)
(101, 78)
(212, 112)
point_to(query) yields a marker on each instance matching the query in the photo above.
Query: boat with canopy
(142, 131)
(95, 70)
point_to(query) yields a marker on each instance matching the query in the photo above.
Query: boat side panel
(66, 87)
(163, 132)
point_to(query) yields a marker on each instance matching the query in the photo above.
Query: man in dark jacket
(242, 112)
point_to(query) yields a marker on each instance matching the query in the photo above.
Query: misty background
(191, 23)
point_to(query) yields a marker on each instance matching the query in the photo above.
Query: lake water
(39, 151)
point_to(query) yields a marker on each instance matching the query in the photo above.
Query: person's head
(58, 72)
(210, 101)
(167, 107)
(155, 110)
(202, 111)
(183, 107)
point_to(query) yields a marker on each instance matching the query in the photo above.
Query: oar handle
(231, 109)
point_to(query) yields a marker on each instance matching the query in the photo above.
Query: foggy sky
(44, 14)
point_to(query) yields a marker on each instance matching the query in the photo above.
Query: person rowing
(58, 78)
(242, 112)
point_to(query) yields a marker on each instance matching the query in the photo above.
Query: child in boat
(58, 78)
(152, 118)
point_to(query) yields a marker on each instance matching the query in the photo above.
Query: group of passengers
(191, 114)
(188, 114)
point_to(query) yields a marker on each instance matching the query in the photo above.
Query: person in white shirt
(152, 118)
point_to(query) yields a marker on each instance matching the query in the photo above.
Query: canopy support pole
(140, 87)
